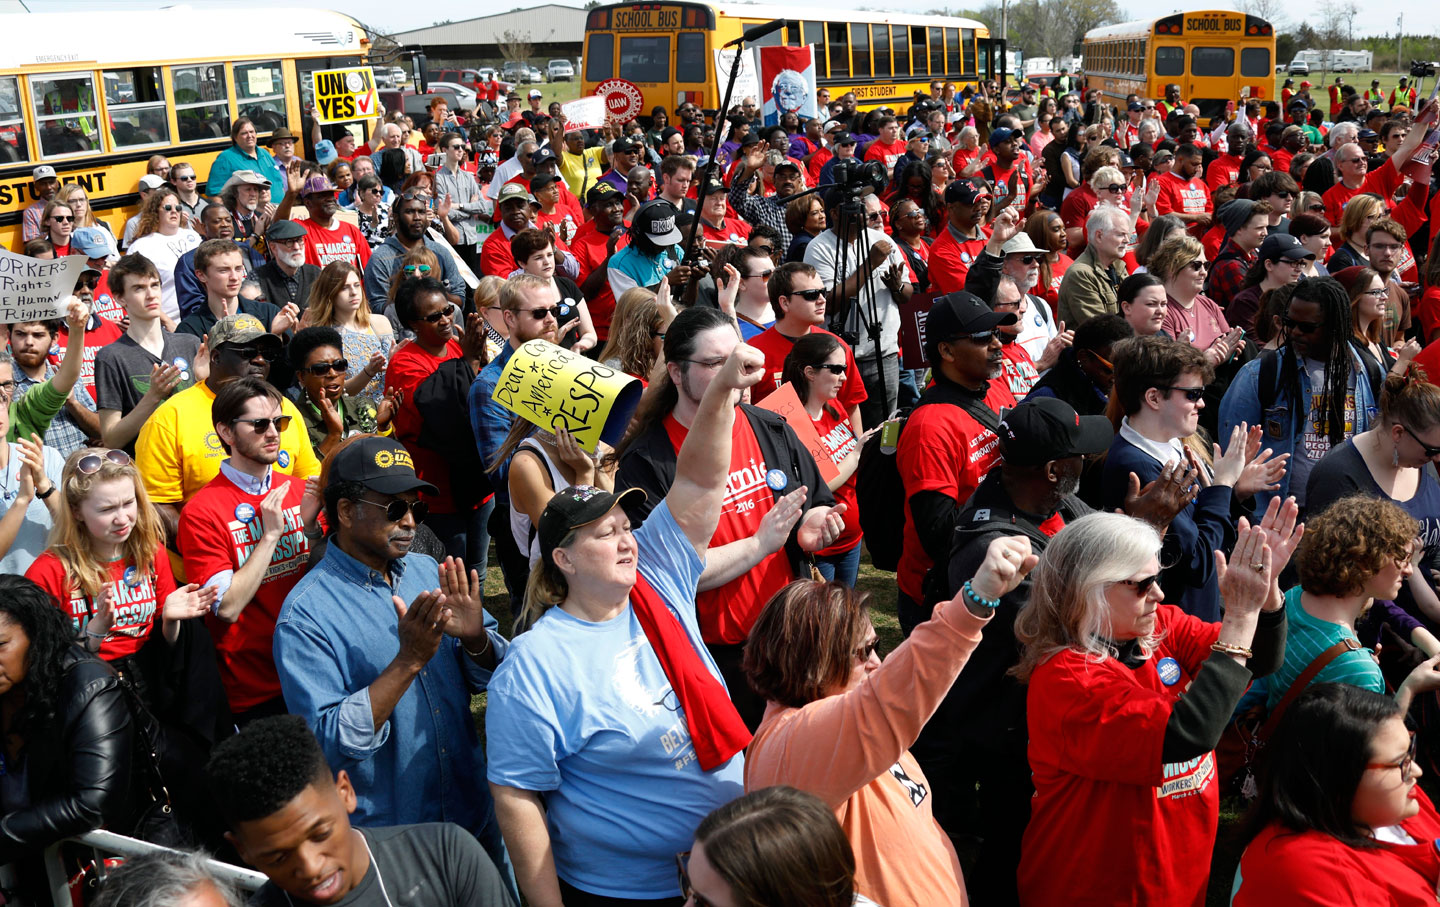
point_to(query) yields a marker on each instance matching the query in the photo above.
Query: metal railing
(108, 842)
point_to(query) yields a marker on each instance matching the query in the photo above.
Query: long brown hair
(637, 317)
(70, 540)
(327, 289)
(1359, 286)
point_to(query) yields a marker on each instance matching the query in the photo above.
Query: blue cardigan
(1187, 558)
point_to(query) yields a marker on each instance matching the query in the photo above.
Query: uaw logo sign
(385, 459)
(623, 99)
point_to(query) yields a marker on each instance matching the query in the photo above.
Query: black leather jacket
(79, 770)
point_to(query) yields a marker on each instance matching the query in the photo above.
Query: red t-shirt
(135, 598)
(106, 305)
(410, 365)
(1382, 181)
(1185, 196)
(105, 332)
(776, 346)
(1280, 159)
(838, 436)
(951, 258)
(1110, 822)
(496, 257)
(1020, 373)
(1075, 210)
(999, 176)
(1051, 294)
(344, 243)
(588, 247)
(727, 613)
(818, 160)
(886, 154)
(563, 222)
(944, 449)
(733, 231)
(219, 527)
(1426, 311)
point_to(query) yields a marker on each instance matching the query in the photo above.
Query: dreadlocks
(1334, 303)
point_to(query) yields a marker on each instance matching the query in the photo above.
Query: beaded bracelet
(972, 595)
(1229, 649)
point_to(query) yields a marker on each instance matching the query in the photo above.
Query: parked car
(515, 71)
(1299, 68)
(464, 93)
(536, 75)
(560, 71)
(459, 76)
(417, 106)
(400, 75)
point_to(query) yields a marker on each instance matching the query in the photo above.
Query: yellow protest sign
(555, 388)
(345, 94)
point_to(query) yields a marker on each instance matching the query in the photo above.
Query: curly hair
(1351, 542)
(150, 211)
(26, 605)
(269, 763)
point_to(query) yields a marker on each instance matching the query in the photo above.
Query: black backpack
(879, 489)
(442, 400)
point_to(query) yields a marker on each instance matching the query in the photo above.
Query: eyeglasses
(437, 317)
(411, 269)
(763, 275)
(1304, 327)
(262, 426)
(7, 389)
(1381, 293)
(1193, 394)
(554, 311)
(1114, 187)
(1027, 259)
(707, 363)
(63, 218)
(1430, 452)
(682, 864)
(1198, 265)
(1141, 586)
(395, 510)
(1406, 763)
(170, 208)
(321, 369)
(90, 464)
(269, 354)
(809, 295)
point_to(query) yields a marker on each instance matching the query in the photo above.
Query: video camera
(853, 176)
(1420, 69)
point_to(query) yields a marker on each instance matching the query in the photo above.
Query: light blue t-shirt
(584, 713)
(34, 533)
(1305, 638)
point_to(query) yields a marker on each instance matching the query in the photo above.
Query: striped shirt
(1306, 638)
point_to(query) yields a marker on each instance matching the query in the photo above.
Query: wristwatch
(42, 495)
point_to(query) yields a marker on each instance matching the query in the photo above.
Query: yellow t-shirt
(581, 171)
(178, 451)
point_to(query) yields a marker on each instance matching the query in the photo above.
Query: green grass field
(1360, 81)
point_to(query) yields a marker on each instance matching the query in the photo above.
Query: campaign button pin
(284, 459)
(1169, 671)
(777, 480)
(180, 363)
(132, 576)
(244, 512)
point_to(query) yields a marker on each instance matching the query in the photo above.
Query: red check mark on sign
(364, 102)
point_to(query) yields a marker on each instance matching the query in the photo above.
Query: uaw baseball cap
(380, 464)
(511, 191)
(960, 313)
(91, 242)
(625, 146)
(240, 329)
(576, 506)
(657, 221)
(1042, 429)
(600, 193)
(964, 192)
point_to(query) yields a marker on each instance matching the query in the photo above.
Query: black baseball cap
(710, 188)
(576, 506)
(842, 138)
(1282, 245)
(961, 313)
(601, 193)
(625, 146)
(1042, 429)
(379, 464)
(964, 192)
(541, 155)
(656, 219)
(543, 180)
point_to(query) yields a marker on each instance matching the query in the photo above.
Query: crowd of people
(1138, 413)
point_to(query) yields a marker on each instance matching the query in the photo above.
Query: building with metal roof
(535, 35)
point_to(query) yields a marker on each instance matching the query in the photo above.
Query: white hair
(1106, 176)
(1152, 127)
(167, 878)
(1343, 134)
(1106, 217)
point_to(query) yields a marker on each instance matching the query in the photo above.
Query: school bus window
(774, 39)
(880, 36)
(937, 50)
(815, 34)
(599, 57)
(1169, 61)
(260, 94)
(65, 113)
(645, 59)
(839, 49)
(792, 35)
(135, 102)
(917, 50)
(967, 46)
(202, 107)
(1254, 61)
(860, 49)
(952, 51)
(13, 147)
(1212, 61)
(901, 44)
(690, 57)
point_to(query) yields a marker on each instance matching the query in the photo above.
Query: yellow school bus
(95, 94)
(666, 50)
(1214, 55)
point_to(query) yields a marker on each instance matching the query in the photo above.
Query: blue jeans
(911, 387)
(841, 568)
(465, 535)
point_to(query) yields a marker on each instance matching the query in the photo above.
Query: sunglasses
(187, 177)
(809, 295)
(89, 282)
(411, 269)
(1283, 194)
(1304, 327)
(437, 317)
(978, 336)
(269, 354)
(1430, 452)
(763, 275)
(832, 368)
(261, 426)
(395, 511)
(321, 369)
(1198, 265)
(554, 311)
(682, 865)
(1141, 586)
(864, 652)
(63, 218)
(1028, 259)
(1114, 187)
(170, 208)
(90, 464)
(1193, 394)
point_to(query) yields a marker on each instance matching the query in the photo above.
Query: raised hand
(164, 378)
(1007, 561)
(286, 319)
(574, 456)
(272, 513)
(189, 601)
(1160, 501)
(421, 626)
(821, 527)
(1247, 575)
(1282, 532)
(1231, 463)
(464, 600)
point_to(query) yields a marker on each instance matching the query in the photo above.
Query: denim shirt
(336, 632)
(492, 421)
(389, 255)
(1283, 421)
